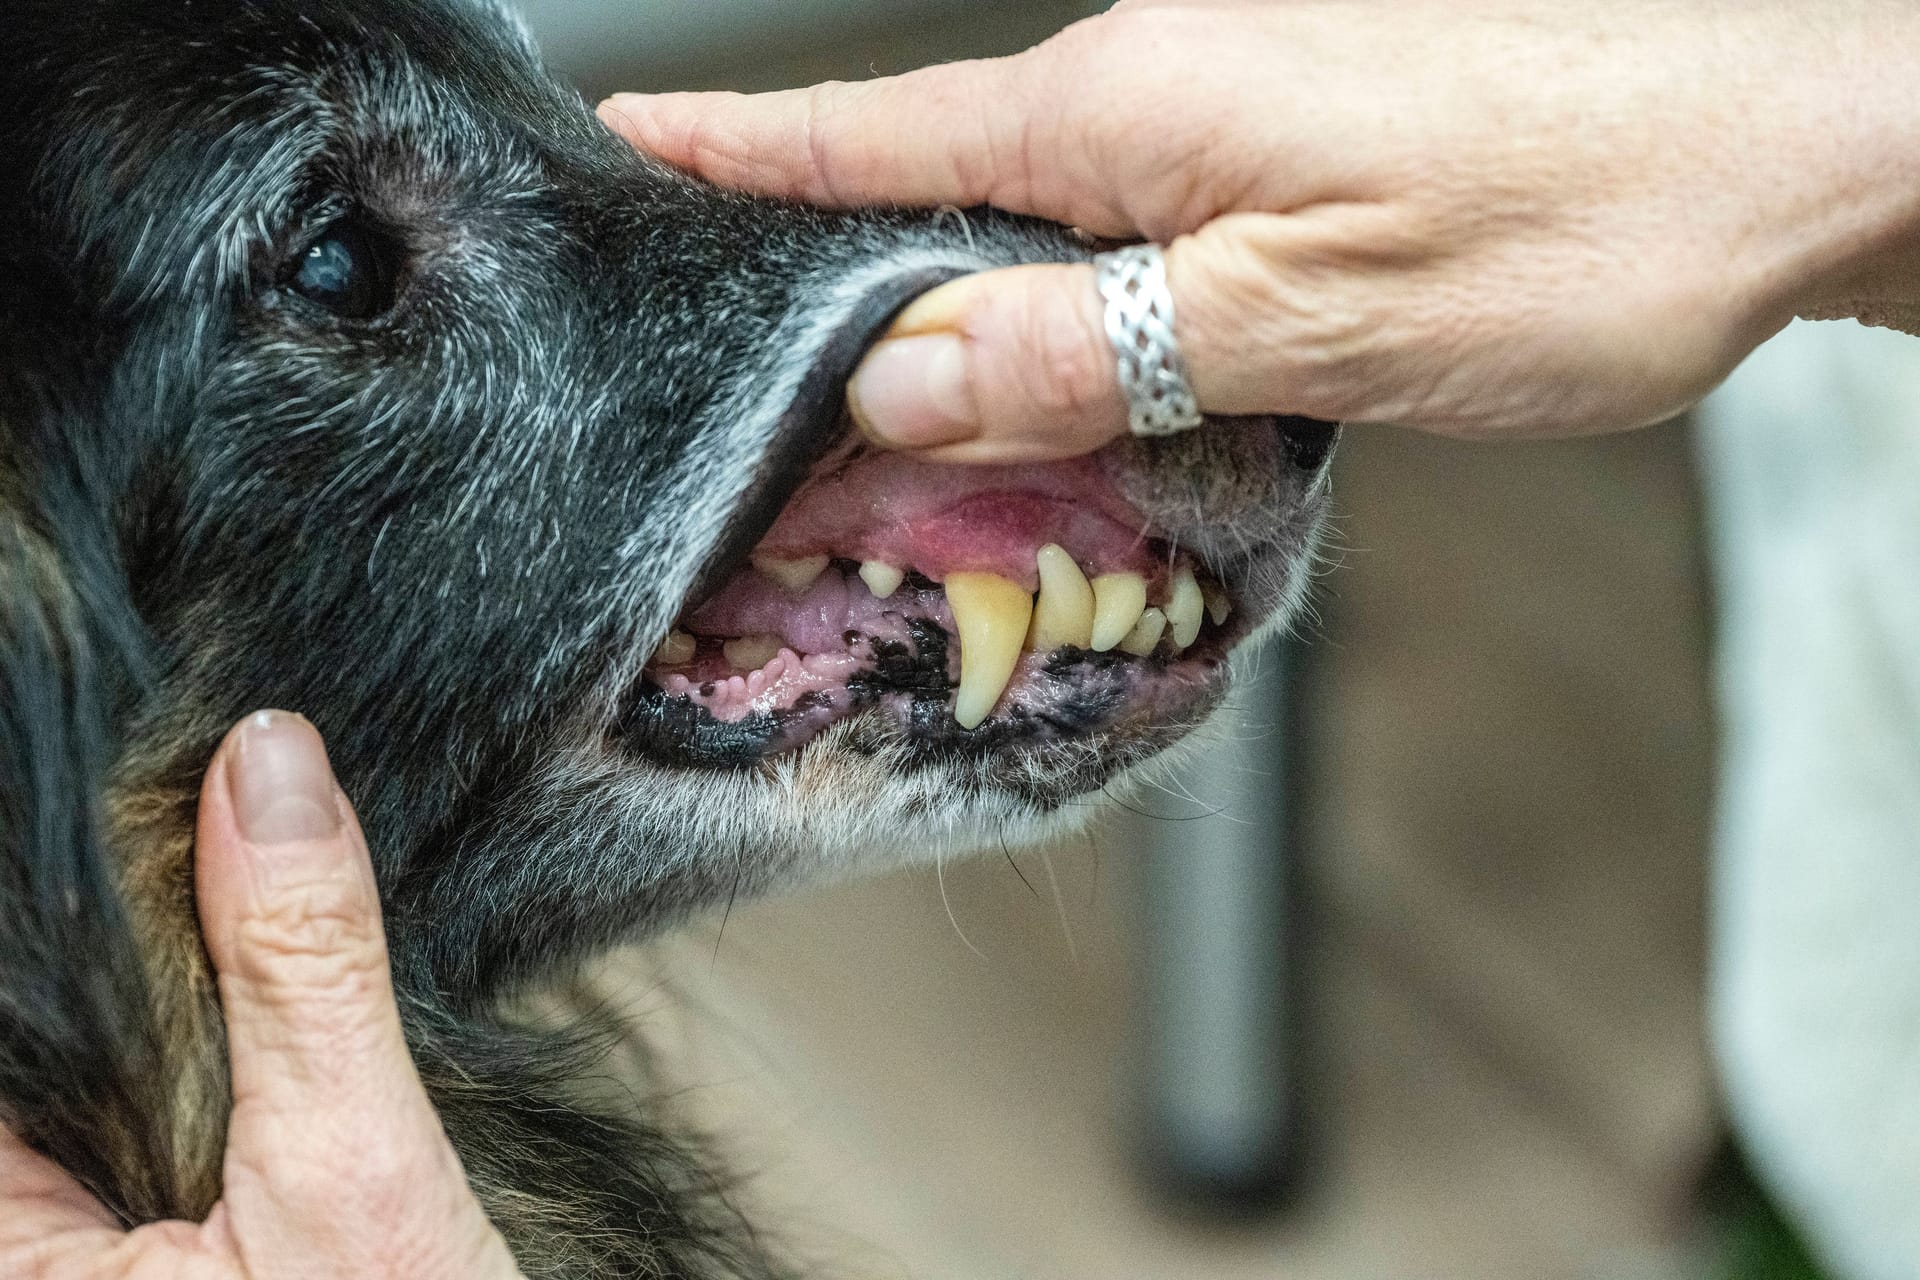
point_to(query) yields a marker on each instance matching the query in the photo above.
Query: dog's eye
(346, 272)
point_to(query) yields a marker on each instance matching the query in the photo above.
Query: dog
(349, 364)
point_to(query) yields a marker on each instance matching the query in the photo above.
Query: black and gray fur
(449, 531)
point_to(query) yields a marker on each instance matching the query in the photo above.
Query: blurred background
(1403, 978)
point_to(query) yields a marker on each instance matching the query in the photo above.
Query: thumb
(292, 920)
(334, 1150)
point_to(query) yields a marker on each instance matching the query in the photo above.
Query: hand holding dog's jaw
(1514, 218)
(336, 1163)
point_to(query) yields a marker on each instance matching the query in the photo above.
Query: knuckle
(312, 938)
(829, 111)
(1082, 46)
(1005, 168)
(1067, 370)
(321, 917)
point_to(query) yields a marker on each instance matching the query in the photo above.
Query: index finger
(44, 1214)
(961, 133)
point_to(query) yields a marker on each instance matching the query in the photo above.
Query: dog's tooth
(1118, 601)
(1185, 607)
(992, 615)
(881, 578)
(675, 651)
(1063, 613)
(1219, 607)
(795, 575)
(750, 653)
(1146, 633)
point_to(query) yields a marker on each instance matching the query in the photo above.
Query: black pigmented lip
(910, 685)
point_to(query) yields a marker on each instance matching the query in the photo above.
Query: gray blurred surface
(653, 45)
(1213, 923)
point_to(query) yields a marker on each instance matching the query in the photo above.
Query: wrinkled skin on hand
(336, 1164)
(1485, 219)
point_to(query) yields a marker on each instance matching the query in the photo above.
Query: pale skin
(336, 1164)
(1483, 219)
(1488, 218)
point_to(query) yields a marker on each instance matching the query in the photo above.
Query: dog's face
(402, 394)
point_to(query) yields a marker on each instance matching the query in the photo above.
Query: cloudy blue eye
(345, 272)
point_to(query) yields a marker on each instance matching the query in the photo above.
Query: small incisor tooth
(675, 651)
(1118, 601)
(1219, 607)
(1063, 613)
(1185, 607)
(795, 575)
(1146, 633)
(881, 578)
(750, 653)
(991, 614)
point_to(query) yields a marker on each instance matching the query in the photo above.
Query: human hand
(1496, 218)
(336, 1164)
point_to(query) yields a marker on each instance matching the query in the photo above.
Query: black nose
(1308, 441)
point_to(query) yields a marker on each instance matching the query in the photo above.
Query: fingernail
(914, 393)
(942, 307)
(281, 783)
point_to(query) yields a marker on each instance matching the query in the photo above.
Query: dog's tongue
(894, 510)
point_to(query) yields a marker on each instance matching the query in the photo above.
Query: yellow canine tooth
(675, 651)
(750, 653)
(991, 614)
(1185, 607)
(795, 575)
(1118, 601)
(1064, 612)
(1219, 606)
(1146, 633)
(881, 578)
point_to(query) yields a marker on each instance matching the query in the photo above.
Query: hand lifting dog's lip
(978, 611)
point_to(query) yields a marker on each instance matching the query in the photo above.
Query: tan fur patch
(153, 829)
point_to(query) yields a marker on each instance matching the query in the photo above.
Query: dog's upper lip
(812, 424)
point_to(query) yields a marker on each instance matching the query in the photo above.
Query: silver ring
(1139, 319)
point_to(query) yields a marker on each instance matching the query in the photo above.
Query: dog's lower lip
(1065, 698)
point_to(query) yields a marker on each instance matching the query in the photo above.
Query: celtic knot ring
(1139, 322)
